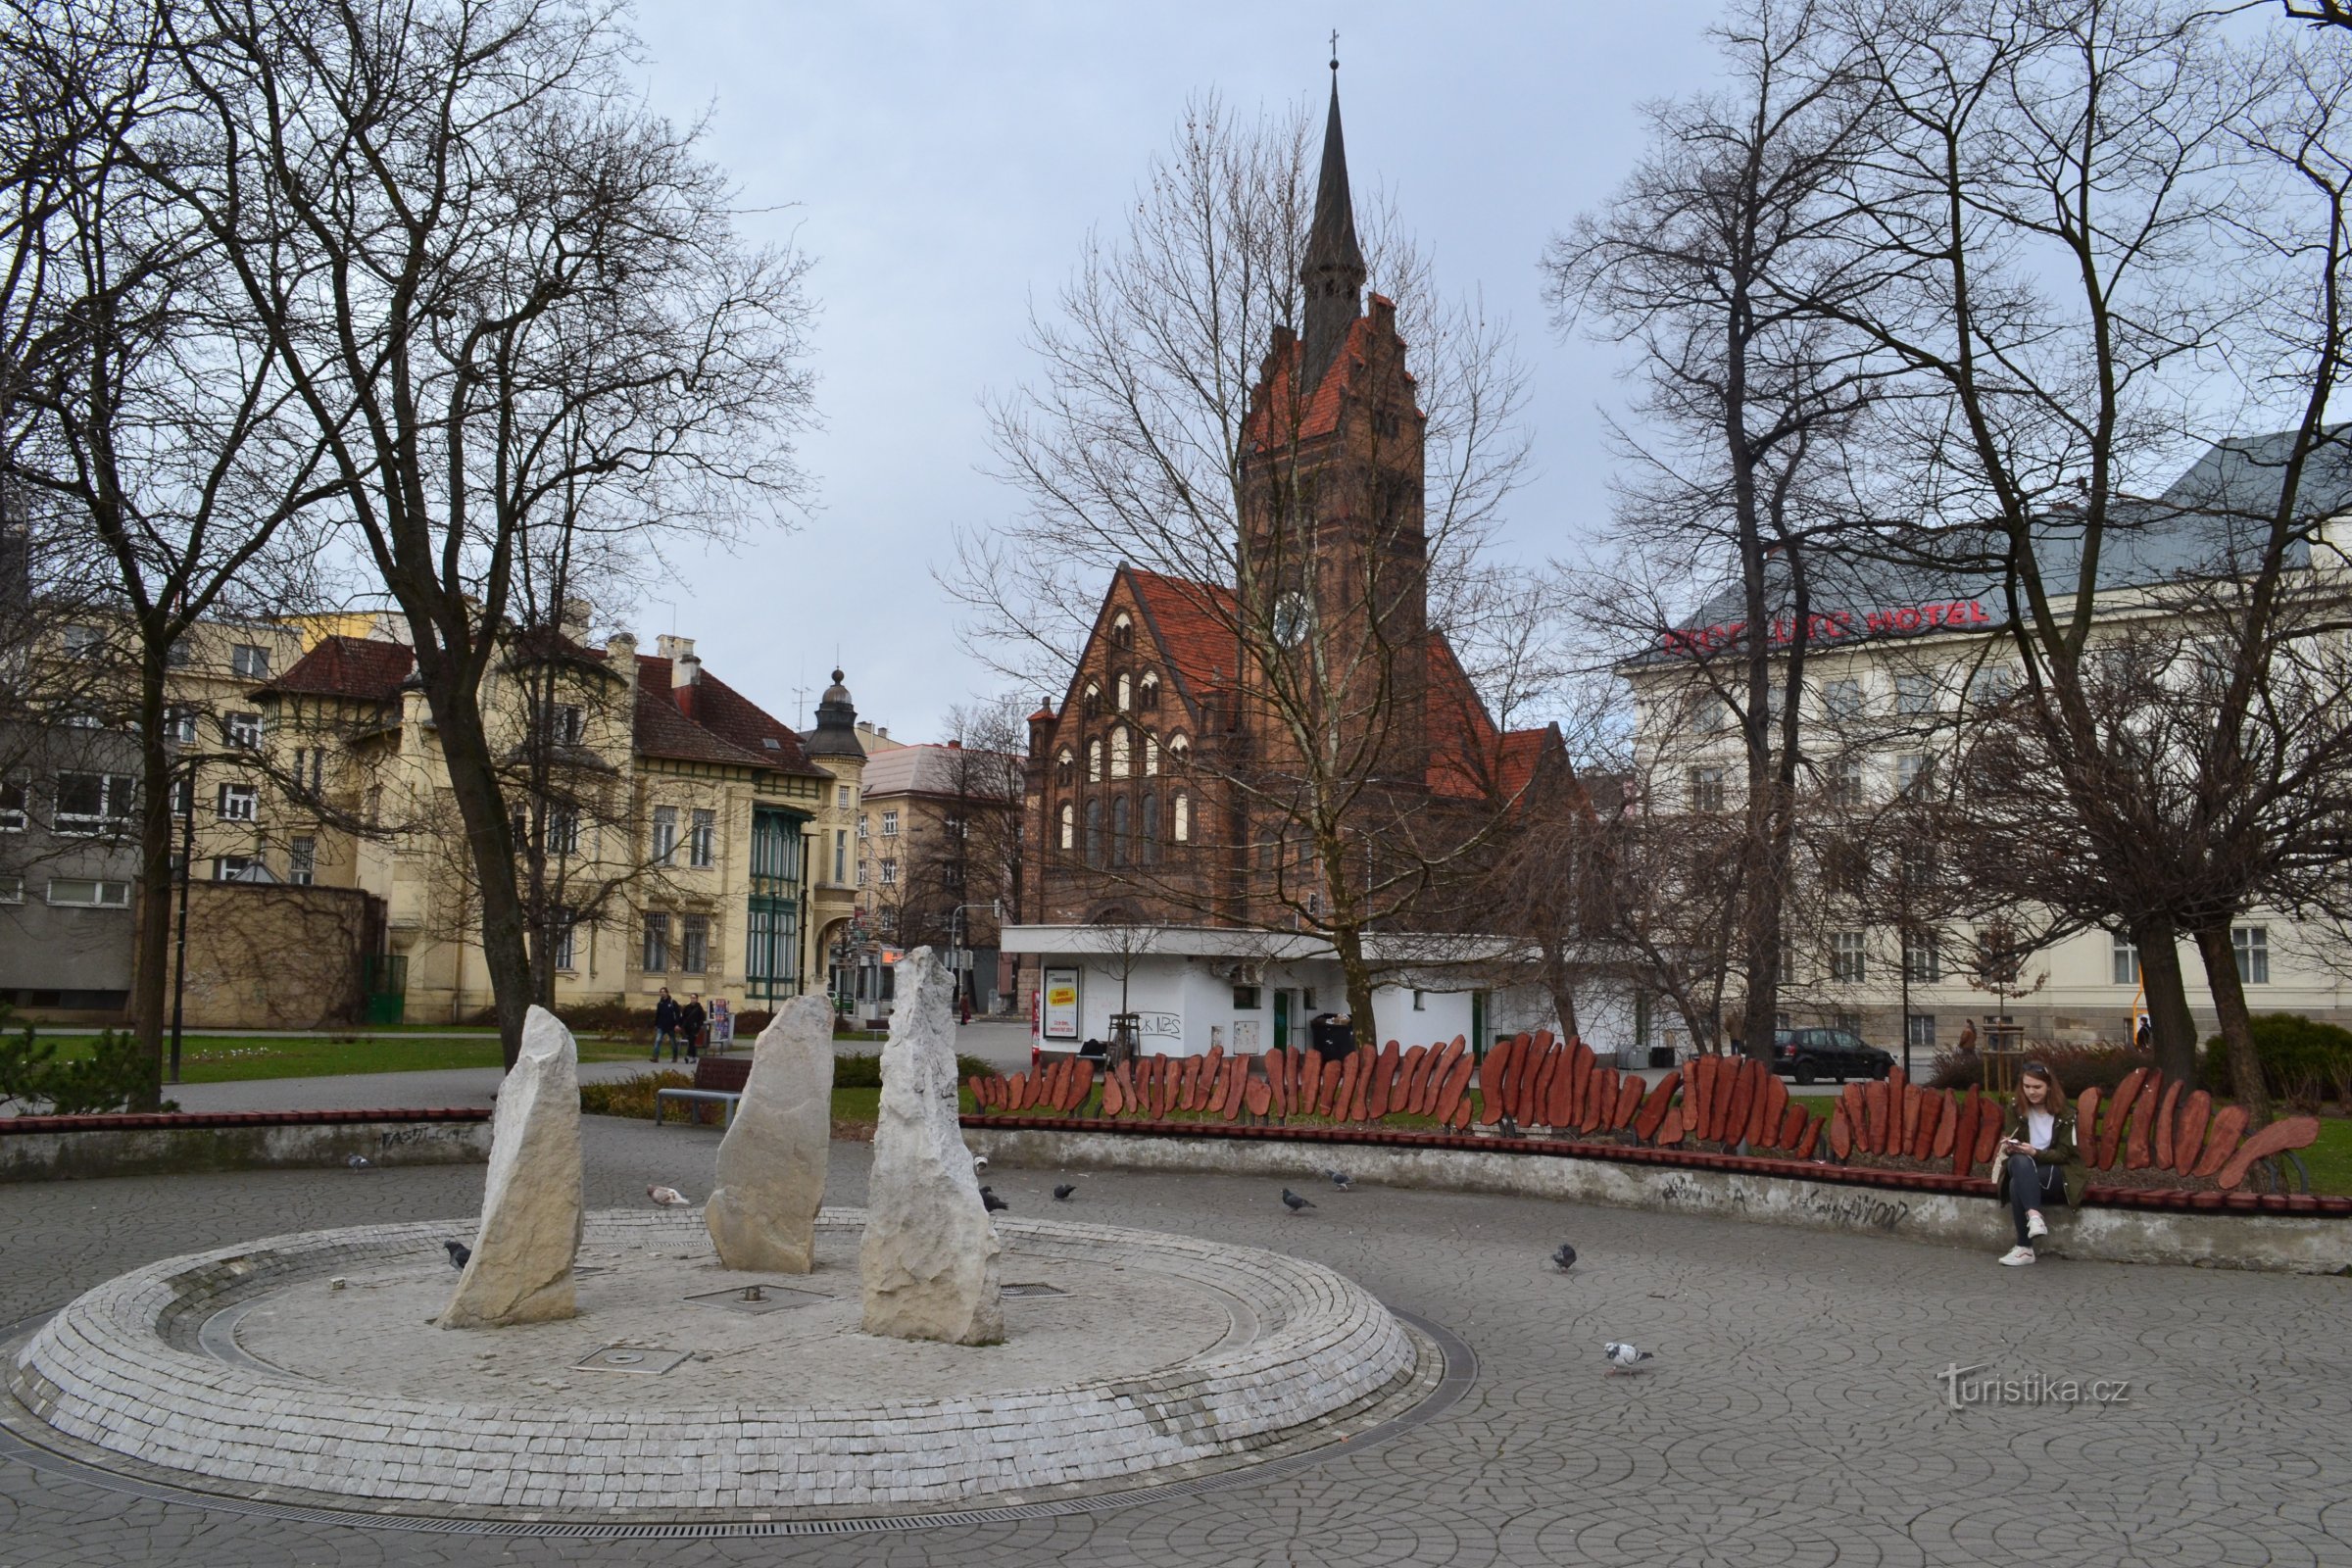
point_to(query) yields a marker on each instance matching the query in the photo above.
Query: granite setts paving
(122, 1368)
(1794, 1419)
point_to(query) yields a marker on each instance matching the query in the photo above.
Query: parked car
(1811, 1055)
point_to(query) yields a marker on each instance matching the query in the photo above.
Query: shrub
(2297, 1053)
(860, 1071)
(2078, 1067)
(632, 1095)
(109, 1078)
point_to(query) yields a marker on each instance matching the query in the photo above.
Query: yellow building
(660, 816)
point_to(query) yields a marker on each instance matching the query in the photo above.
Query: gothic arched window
(1069, 825)
(1149, 836)
(1180, 752)
(1092, 704)
(1122, 758)
(1151, 757)
(1181, 831)
(1094, 832)
(1093, 762)
(1064, 766)
(1150, 693)
(1126, 694)
(1118, 831)
(1122, 631)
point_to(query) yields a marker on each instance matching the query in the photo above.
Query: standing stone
(929, 1262)
(771, 1165)
(532, 1208)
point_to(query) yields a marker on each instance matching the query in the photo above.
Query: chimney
(955, 746)
(685, 670)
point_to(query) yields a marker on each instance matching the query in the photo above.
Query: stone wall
(35, 1148)
(1907, 1209)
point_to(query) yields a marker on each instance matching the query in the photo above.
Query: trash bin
(1661, 1055)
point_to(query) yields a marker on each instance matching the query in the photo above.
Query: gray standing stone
(532, 1208)
(771, 1165)
(928, 1264)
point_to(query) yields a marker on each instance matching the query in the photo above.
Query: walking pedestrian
(691, 1019)
(665, 1025)
(2036, 1146)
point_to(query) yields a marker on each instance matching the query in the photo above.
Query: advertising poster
(1061, 1004)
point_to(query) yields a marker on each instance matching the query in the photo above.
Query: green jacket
(2061, 1151)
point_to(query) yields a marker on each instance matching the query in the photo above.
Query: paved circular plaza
(1797, 1411)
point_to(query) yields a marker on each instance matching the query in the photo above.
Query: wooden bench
(717, 1080)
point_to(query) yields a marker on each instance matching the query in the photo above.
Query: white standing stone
(771, 1165)
(928, 1264)
(532, 1208)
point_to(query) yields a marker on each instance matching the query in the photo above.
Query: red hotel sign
(1832, 625)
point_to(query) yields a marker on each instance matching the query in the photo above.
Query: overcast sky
(942, 163)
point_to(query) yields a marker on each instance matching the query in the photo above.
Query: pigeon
(1061, 1194)
(979, 1163)
(1565, 1257)
(460, 1254)
(360, 1162)
(1624, 1358)
(990, 1202)
(1342, 1180)
(1292, 1201)
(669, 1198)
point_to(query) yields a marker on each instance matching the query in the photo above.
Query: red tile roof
(724, 720)
(1468, 756)
(735, 719)
(1270, 403)
(1194, 623)
(359, 667)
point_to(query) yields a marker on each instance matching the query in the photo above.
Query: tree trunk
(1347, 941)
(2174, 1031)
(154, 939)
(473, 784)
(2237, 1025)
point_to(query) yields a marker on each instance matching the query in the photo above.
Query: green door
(1282, 1019)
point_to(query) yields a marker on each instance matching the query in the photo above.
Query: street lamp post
(187, 872)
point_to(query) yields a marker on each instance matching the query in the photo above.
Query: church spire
(1334, 271)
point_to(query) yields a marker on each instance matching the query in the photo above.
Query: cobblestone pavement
(1793, 1415)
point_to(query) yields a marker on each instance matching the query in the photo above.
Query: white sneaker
(2015, 1255)
(2034, 1224)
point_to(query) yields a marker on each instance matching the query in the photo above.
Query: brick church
(1222, 743)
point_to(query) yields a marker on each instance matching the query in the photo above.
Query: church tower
(1334, 562)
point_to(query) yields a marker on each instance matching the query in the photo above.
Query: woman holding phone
(2036, 1146)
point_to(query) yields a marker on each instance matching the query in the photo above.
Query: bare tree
(161, 421)
(2094, 230)
(1140, 445)
(1712, 261)
(511, 297)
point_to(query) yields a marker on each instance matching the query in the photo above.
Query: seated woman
(2036, 1146)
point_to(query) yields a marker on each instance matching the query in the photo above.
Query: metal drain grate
(643, 1360)
(1032, 1289)
(755, 1300)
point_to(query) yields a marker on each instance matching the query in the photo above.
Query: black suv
(1811, 1055)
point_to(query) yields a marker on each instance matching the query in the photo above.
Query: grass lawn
(220, 1059)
